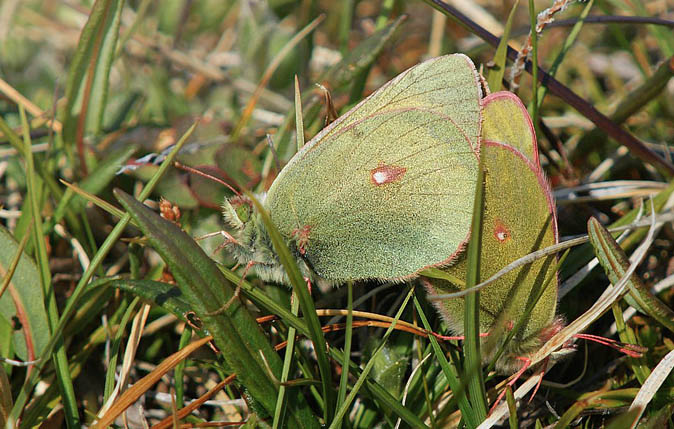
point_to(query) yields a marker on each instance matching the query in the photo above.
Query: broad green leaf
(22, 304)
(390, 365)
(308, 309)
(161, 294)
(234, 329)
(615, 262)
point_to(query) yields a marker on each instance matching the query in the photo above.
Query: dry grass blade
(9, 273)
(194, 405)
(407, 385)
(143, 385)
(652, 384)
(609, 190)
(30, 107)
(96, 200)
(502, 410)
(129, 356)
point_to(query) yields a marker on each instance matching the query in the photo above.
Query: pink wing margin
(534, 164)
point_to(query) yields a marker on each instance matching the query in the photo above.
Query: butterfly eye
(243, 208)
(501, 232)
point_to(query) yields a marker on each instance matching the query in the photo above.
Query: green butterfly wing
(506, 120)
(387, 189)
(519, 218)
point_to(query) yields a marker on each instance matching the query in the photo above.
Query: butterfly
(381, 193)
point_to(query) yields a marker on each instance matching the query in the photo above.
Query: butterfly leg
(631, 350)
(456, 338)
(229, 239)
(237, 292)
(544, 368)
(306, 279)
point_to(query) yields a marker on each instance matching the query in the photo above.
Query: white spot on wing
(386, 174)
(380, 177)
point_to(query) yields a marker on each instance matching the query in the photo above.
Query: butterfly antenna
(207, 176)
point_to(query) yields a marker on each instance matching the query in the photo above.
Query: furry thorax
(253, 244)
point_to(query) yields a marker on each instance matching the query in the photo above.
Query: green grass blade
(345, 25)
(649, 90)
(471, 346)
(337, 422)
(105, 172)
(42, 261)
(568, 43)
(74, 190)
(40, 169)
(496, 72)
(287, 363)
(115, 347)
(358, 84)
(374, 389)
(371, 387)
(343, 381)
(639, 366)
(512, 406)
(299, 124)
(308, 309)
(583, 254)
(87, 86)
(451, 373)
(97, 260)
(533, 106)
